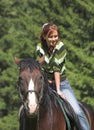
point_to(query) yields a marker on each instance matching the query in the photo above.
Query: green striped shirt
(54, 62)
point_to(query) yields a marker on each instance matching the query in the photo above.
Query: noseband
(31, 91)
(26, 93)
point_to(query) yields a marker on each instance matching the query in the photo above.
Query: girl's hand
(41, 60)
(60, 94)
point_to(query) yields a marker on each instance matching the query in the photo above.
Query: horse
(42, 108)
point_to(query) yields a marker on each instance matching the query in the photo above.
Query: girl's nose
(53, 39)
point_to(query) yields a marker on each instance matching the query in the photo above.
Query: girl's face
(52, 38)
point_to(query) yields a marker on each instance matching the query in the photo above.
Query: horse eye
(41, 77)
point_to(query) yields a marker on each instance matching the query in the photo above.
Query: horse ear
(17, 60)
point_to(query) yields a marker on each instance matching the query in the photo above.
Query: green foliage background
(20, 26)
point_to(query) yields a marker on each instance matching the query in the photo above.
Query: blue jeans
(70, 97)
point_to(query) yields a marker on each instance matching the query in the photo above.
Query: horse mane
(29, 63)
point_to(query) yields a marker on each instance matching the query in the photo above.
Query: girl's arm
(57, 82)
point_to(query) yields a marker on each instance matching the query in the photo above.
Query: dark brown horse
(42, 108)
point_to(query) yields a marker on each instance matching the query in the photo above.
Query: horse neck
(45, 101)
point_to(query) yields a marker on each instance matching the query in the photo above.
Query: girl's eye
(53, 36)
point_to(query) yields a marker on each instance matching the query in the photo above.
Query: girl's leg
(70, 97)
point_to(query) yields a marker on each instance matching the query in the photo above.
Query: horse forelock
(28, 63)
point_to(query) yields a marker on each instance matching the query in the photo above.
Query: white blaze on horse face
(32, 104)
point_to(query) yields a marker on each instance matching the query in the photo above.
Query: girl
(51, 54)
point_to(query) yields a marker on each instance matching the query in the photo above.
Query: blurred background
(20, 26)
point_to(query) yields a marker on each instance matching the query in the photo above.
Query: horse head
(31, 84)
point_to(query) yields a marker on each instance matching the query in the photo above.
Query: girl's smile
(52, 38)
